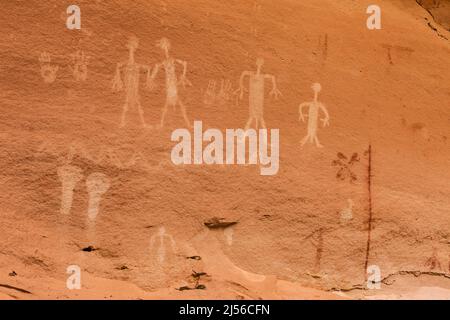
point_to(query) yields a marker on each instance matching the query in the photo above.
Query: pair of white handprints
(79, 69)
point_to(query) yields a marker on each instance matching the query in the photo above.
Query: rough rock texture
(439, 9)
(387, 90)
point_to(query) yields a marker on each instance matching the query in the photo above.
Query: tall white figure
(256, 93)
(172, 81)
(69, 176)
(131, 72)
(313, 116)
(96, 184)
(161, 247)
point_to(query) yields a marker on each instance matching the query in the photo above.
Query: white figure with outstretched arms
(314, 108)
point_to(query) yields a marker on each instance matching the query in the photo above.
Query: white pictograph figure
(80, 61)
(69, 176)
(96, 184)
(347, 213)
(256, 93)
(172, 81)
(161, 246)
(131, 72)
(313, 116)
(48, 71)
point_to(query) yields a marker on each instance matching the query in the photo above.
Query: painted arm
(172, 244)
(274, 92)
(183, 80)
(150, 82)
(241, 84)
(117, 84)
(326, 120)
(300, 111)
(146, 69)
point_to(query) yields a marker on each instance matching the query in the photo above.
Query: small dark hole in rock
(194, 258)
(122, 268)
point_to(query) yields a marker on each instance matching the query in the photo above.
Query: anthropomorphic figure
(69, 176)
(256, 93)
(172, 96)
(313, 116)
(131, 72)
(158, 241)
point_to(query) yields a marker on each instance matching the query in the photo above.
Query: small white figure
(347, 213)
(69, 176)
(161, 249)
(96, 184)
(131, 72)
(48, 71)
(313, 116)
(81, 61)
(172, 81)
(256, 93)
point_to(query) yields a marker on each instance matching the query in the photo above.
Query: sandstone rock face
(79, 172)
(439, 9)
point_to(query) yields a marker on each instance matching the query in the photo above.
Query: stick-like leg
(183, 112)
(163, 116)
(263, 123)
(141, 114)
(317, 142)
(124, 113)
(305, 139)
(249, 123)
